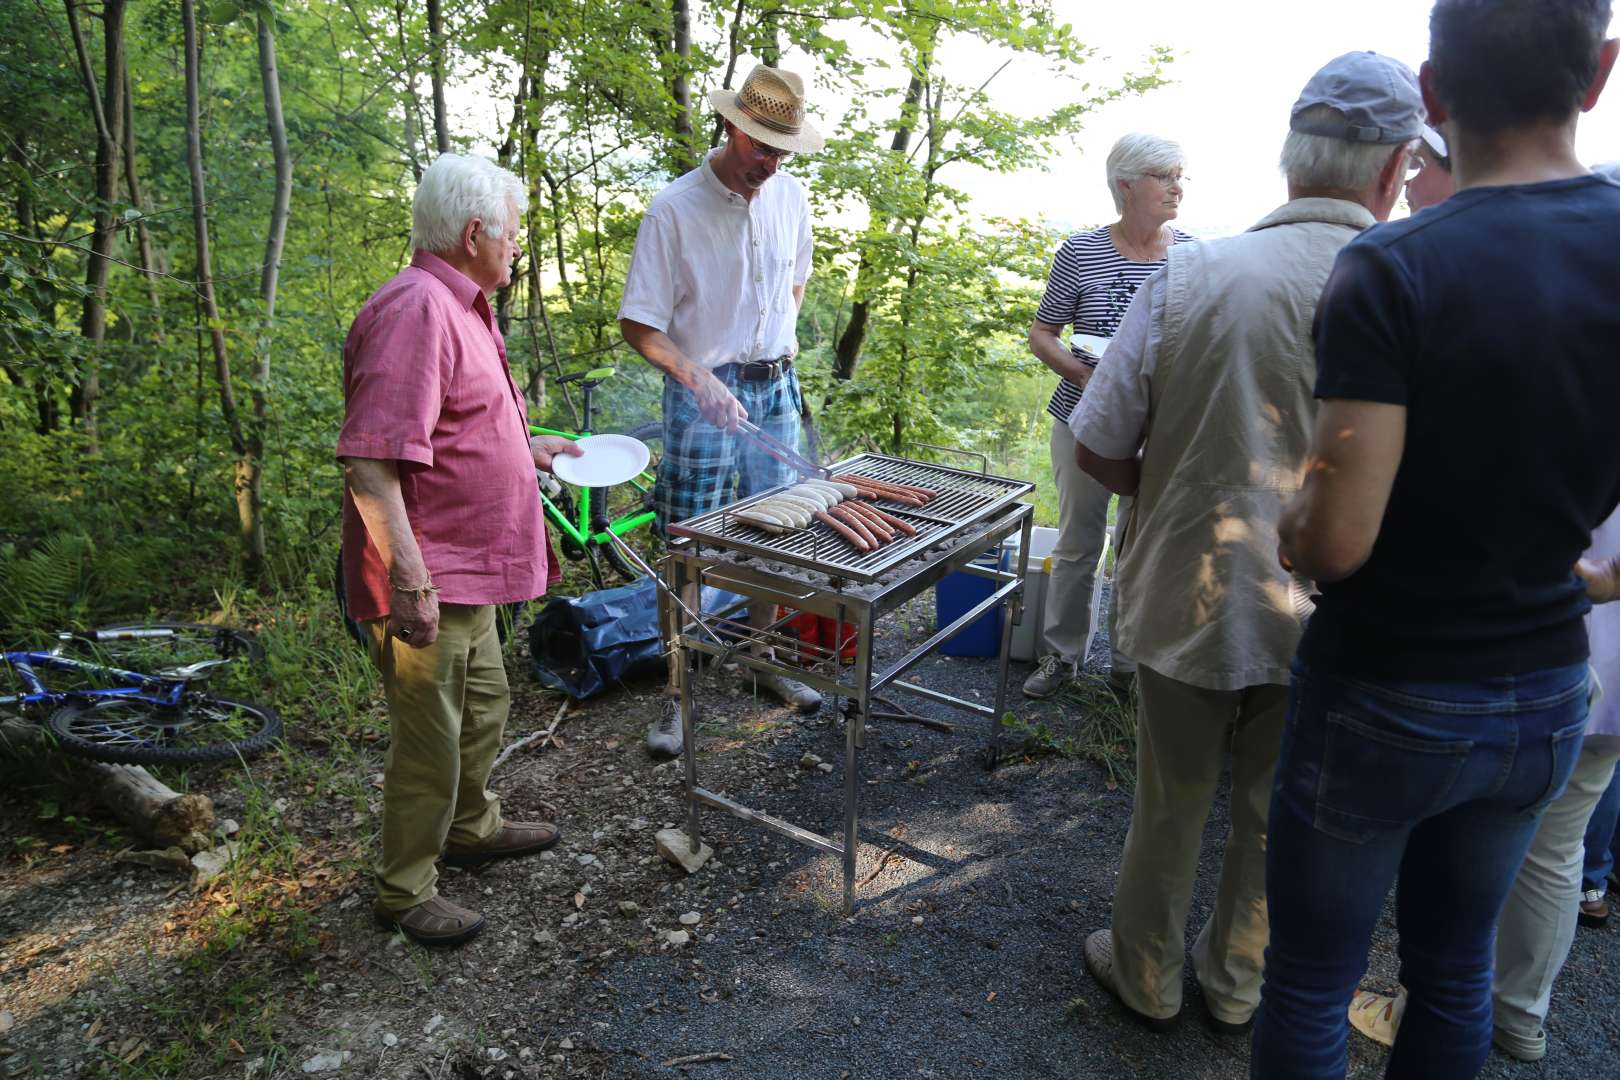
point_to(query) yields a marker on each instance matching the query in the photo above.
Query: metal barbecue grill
(964, 498)
(971, 513)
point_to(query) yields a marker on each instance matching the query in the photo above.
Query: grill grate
(961, 499)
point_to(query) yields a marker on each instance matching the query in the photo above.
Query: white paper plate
(608, 460)
(1093, 344)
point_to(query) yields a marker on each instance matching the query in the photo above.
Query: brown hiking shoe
(515, 838)
(432, 922)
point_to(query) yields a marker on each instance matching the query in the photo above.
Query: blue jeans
(1440, 784)
(1602, 839)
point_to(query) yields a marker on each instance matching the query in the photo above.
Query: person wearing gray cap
(1202, 409)
(1463, 455)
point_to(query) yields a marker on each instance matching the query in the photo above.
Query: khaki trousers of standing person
(1537, 926)
(1184, 734)
(447, 706)
(1071, 594)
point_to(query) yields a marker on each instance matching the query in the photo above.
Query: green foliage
(580, 102)
(1096, 726)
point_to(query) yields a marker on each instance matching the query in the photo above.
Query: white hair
(1609, 170)
(454, 190)
(1137, 155)
(1320, 161)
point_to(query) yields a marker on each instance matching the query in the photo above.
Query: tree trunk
(686, 156)
(47, 406)
(252, 464)
(205, 276)
(847, 351)
(413, 105)
(159, 815)
(441, 122)
(143, 235)
(733, 50)
(109, 116)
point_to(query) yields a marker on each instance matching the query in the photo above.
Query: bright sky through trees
(1240, 64)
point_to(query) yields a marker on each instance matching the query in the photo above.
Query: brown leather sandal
(433, 922)
(515, 838)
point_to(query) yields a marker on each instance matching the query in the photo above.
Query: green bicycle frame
(580, 531)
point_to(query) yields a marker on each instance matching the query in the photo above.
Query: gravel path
(962, 959)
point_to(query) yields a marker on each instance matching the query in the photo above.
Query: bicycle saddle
(188, 672)
(593, 377)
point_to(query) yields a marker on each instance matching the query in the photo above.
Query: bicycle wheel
(153, 645)
(653, 435)
(135, 731)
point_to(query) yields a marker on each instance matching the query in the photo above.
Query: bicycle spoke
(138, 729)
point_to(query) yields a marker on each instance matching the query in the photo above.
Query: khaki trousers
(1183, 734)
(1072, 597)
(447, 708)
(1537, 926)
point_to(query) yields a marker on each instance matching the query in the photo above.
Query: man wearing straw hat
(711, 299)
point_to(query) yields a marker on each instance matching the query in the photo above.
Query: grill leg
(1006, 642)
(854, 739)
(685, 661)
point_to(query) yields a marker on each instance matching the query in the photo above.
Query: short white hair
(1137, 155)
(1319, 161)
(457, 188)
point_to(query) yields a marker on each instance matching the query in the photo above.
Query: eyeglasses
(1168, 179)
(768, 153)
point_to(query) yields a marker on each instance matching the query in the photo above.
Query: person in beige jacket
(1202, 408)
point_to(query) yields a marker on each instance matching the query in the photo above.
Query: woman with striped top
(1093, 278)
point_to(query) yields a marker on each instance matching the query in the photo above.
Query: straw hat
(770, 109)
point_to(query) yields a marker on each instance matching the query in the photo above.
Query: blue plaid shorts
(704, 467)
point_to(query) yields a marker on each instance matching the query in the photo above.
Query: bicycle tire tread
(266, 736)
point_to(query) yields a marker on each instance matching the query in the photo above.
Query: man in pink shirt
(441, 525)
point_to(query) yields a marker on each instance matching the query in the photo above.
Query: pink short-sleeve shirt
(426, 385)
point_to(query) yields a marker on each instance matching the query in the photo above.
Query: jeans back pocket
(1557, 753)
(1374, 780)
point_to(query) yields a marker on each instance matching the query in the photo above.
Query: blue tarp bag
(581, 645)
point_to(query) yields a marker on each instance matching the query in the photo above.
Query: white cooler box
(1027, 643)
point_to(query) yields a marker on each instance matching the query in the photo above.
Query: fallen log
(157, 813)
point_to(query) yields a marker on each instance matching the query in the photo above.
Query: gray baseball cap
(1375, 98)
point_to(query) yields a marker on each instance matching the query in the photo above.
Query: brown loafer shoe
(432, 922)
(515, 838)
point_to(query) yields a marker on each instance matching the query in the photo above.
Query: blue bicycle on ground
(134, 695)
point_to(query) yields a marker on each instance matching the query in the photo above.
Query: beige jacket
(1202, 598)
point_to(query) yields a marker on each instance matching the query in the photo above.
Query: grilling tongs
(772, 446)
(781, 451)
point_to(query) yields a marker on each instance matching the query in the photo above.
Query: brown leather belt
(759, 370)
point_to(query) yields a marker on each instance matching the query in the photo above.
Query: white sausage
(823, 499)
(809, 506)
(792, 515)
(760, 521)
(838, 494)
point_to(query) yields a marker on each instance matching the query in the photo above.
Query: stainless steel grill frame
(972, 513)
(964, 498)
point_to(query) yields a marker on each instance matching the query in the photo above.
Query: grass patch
(1103, 730)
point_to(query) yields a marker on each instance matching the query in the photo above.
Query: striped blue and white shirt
(1089, 288)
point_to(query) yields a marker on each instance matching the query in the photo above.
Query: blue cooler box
(955, 595)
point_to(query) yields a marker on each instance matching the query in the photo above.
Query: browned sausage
(843, 530)
(874, 524)
(899, 492)
(855, 521)
(876, 491)
(889, 519)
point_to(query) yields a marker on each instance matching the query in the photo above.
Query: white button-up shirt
(716, 272)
